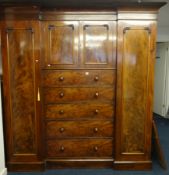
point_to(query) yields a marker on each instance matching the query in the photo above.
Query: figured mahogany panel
(135, 74)
(136, 50)
(80, 111)
(98, 43)
(22, 89)
(85, 148)
(67, 95)
(95, 128)
(60, 43)
(79, 78)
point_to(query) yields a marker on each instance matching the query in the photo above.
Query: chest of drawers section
(79, 113)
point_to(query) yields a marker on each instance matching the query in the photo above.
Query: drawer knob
(62, 129)
(96, 148)
(96, 78)
(95, 129)
(96, 94)
(61, 94)
(61, 78)
(96, 111)
(49, 65)
(61, 112)
(62, 148)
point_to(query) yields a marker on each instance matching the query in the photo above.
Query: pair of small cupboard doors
(29, 46)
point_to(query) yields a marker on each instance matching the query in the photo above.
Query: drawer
(80, 148)
(79, 77)
(80, 111)
(62, 95)
(61, 129)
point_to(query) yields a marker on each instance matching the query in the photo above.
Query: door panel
(21, 63)
(135, 71)
(61, 46)
(20, 86)
(134, 92)
(98, 44)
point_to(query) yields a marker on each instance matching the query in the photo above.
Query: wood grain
(80, 148)
(62, 129)
(134, 91)
(67, 95)
(135, 74)
(61, 46)
(98, 44)
(80, 111)
(79, 78)
(20, 47)
(21, 110)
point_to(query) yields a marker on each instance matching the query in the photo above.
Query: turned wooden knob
(96, 148)
(96, 111)
(95, 129)
(62, 148)
(61, 112)
(62, 129)
(61, 78)
(61, 94)
(96, 78)
(96, 94)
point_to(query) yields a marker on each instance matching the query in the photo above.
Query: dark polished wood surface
(63, 129)
(20, 48)
(136, 48)
(61, 44)
(79, 78)
(80, 111)
(78, 84)
(85, 148)
(67, 95)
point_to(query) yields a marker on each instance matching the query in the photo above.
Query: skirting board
(3, 171)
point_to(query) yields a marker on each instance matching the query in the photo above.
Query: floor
(163, 129)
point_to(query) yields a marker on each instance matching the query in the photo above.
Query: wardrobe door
(21, 94)
(98, 44)
(136, 46)
(60, 44)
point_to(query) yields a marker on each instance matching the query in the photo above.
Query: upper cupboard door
(98, 44)
(60, 44)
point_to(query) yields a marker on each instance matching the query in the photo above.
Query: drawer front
(61, 129)
(80, 111)
(80, 148)
(76, 78)
(61, 95)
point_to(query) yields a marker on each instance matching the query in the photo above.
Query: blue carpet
(163, 130)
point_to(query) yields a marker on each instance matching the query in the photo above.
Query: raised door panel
(134, 93)
(61, 44)
(20, 69)
(98, 44)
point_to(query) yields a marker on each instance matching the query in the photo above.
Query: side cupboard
(78, 84)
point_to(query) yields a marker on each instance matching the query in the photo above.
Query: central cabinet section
(78, 89)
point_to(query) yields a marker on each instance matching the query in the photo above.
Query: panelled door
(136, 46)
(73, 44)
(60, 44)
(98, 44)
(21, 90)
